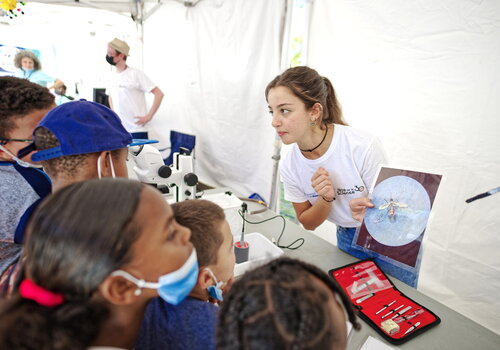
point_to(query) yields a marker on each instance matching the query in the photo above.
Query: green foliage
(285, 207)
(297, 50)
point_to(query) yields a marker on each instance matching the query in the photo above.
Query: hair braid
(67, 253)
(275, 307)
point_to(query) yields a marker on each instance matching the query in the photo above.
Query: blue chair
(178, 140)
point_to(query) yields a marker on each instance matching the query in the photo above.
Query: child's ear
(204, 278)
(118, 290)
(105, 163)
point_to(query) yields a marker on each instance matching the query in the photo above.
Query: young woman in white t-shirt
(330, 163)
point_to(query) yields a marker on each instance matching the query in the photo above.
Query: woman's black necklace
(312, 149)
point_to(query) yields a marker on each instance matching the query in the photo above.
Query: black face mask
(110, 60)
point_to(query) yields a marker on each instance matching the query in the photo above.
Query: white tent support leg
(285, 35)
(274, 198)
(295, 25)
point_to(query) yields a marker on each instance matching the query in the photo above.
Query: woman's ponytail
(311, 88)
(334, 111)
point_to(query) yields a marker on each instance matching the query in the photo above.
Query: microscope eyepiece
(184, 151)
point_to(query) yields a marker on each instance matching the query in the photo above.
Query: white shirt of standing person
(127, 90)
(352, 161)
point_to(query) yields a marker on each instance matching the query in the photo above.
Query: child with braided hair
(96, 253)
(285, 304)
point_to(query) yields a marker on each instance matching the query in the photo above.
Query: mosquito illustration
(391, 205)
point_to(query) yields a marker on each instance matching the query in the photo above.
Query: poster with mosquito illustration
(394, 228)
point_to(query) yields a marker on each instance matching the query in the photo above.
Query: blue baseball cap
(83, 127)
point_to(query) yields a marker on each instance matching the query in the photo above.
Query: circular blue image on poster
(400, 213)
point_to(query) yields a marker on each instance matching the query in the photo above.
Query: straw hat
(120, 46)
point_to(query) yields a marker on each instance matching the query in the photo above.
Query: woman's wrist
(328, 199)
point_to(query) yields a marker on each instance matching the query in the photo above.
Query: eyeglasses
(4, 141)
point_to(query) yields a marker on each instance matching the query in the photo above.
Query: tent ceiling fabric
(125, 7)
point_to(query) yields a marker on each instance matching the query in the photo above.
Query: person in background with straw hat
(127, 90)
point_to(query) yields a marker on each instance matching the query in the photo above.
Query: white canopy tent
(214, 51)
(423, 76)
(137, 10)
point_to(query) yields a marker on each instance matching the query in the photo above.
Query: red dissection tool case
(391, 313)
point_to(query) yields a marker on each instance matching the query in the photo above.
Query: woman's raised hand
(358, 207)
(322, 185)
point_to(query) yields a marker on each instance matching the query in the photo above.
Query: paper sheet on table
(375, 344)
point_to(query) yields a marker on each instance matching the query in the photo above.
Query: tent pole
(273, 202)
(139, 21)
(284, 37)
(141, 42)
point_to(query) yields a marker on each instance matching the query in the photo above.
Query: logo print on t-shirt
(347, 191)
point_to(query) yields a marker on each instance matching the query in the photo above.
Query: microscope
(177, 180)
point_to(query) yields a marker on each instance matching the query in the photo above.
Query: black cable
(199, 195)
(255, 201)
(290, 246)
(243, 210)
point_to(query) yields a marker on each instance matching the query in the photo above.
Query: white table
(455, 330)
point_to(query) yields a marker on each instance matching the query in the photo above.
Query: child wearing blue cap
(78, 141)
(22, 106)
(192, 323)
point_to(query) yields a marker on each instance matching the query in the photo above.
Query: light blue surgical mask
(215, 291)
(18, 160)
(173, 287)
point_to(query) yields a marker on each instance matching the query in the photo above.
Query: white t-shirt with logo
(127, 89)
(352, 160)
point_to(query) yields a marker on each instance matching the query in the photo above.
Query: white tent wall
(424, 77)
(213, 62)
(71, 40)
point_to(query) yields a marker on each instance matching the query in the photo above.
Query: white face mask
(99, 166)
(18, 160)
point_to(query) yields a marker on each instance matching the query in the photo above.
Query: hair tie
(30, 290)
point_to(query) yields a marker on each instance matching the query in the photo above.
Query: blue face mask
(173, 287)
(215, 291)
